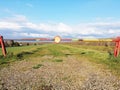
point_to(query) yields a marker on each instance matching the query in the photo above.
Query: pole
(117, 46)
(3, 46)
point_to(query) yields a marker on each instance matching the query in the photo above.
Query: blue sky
(67, 18)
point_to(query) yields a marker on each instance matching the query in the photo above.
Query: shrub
(10, 43)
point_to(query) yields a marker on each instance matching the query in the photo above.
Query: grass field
(58, 64)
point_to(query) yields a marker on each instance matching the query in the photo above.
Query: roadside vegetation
(102, 55)
(15, 54)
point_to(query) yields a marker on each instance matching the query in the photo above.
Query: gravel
(73, 73)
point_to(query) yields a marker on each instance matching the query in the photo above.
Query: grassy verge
(101, 55)
(16, 54)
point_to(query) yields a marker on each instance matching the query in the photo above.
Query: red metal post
(117, 46)
(3, 46)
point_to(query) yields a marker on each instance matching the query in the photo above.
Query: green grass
(15, 54)
(100, 55)
(16, 50)
(96, 54)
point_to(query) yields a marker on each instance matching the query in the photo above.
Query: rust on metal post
(117, 46)
(3, 46)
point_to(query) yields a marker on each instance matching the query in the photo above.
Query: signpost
(3, 46)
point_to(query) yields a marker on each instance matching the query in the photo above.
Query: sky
(66, 18)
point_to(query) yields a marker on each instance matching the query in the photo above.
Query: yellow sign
(57, 39)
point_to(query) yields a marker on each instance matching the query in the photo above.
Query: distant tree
(10, 43)
(16, 44)
(28, 44)
(35, 44)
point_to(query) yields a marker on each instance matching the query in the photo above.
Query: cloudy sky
(66, 18)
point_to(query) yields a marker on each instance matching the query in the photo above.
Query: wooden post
(3, 46)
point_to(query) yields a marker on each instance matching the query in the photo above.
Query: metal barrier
(57, 39)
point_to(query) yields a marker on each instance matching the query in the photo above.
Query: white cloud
(34, 35)
(23, 27)
(87, 29)
(59, 27)
(114, 32)
(31, 25)
(8, 25)
(64, 28)
(100, 28)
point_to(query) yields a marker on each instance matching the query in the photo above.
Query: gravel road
(69, 73)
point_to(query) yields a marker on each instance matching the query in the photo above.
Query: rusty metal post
(117, 46)
(3, 46)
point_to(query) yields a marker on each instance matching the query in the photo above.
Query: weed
(19, 56)
(114, 59)
(5, 61)
(58, 60)
(38, 66)
(22, 54)
(83, 53)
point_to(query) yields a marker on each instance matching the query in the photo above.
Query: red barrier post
(117, 46)
(3, 46)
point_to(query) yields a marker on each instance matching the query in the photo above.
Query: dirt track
(70, 73)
